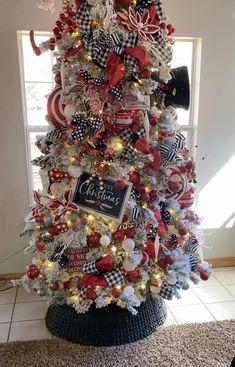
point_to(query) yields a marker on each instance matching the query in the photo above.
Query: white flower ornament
(139, 23)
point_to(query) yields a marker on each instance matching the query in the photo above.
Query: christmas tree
(114, 222)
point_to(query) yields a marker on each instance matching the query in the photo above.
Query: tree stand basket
(107, 326)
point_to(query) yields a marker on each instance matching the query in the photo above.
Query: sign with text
(77, 258)
(110, 202)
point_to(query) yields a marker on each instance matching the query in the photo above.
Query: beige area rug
(209, 344)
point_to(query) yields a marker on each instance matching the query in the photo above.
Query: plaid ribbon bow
(84, 17)
(166, 291)
(169, 151)
(129, 153)
(82, 125)
(101, 48)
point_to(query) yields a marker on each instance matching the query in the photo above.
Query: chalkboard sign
(110, 201)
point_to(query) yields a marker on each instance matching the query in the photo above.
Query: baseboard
(222, 262)
(216, 263)
(10, 276)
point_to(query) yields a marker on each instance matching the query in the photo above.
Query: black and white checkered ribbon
(114, 278)
(89, 267)
(129, 153)
(164, 49)
(84, 17)
(82, 294)
(88, 78)
(166, 291)
(130, 137)
(104, 44)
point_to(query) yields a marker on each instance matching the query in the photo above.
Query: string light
(114, 249)
(143, 286)
(90, 217)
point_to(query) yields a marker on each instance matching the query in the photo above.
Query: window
(186, 52)
(37, 82)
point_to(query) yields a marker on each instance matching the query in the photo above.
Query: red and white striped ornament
(55, 108)
(181, 179)
(123, 119)
(187, 199)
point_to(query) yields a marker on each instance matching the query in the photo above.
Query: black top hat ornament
(177, 90)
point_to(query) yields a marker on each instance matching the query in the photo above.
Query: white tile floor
(22, 315)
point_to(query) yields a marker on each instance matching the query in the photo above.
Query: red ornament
(39, 218)
(116, 292)
(93, 240)
(153, 120)
(134, 177)
(162, 230)
(68, 284)
(140, 188)
(40, 244)
(133, 275)
(33, 272)
(119, 184)
(55, 286)
(153, 195)
(124, 2)
(162, 264)
(169, 259)
(91, 294)
(183, 231)
(130, 232)
(119, 236)
(150, 248)
(204, 275)
(145, 196)
(58, 78)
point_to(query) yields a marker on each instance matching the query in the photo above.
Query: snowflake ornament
(139, 23)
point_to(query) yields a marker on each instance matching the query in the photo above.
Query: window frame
(190, 129)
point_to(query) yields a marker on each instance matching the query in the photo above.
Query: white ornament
(75, 171)
(128, 244)
(69, 111)
(105, 240)
(129, 290)
(128, 265)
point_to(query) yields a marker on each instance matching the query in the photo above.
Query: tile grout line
(13, 309)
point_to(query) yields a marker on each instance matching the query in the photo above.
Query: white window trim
(27, 128)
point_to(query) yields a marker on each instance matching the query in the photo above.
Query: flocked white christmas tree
(114, 222)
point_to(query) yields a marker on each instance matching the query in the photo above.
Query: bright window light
(37, 82)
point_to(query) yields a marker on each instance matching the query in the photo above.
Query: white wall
(213, 20)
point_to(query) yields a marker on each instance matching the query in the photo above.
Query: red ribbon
(116, 68)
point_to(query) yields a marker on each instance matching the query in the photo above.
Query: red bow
(116, 68)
